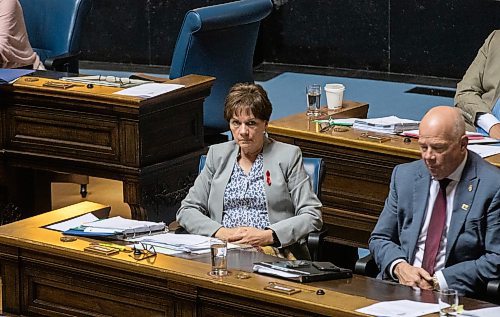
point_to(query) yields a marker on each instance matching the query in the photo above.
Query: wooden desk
(43, 276)
(358, 173)
(152, 145)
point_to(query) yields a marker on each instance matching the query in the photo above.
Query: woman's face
(248, 131)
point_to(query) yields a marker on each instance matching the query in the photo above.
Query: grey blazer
(473, 247)
(479, 89)
(293, 208)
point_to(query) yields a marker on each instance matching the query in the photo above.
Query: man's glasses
(115, 80)
(145, 251)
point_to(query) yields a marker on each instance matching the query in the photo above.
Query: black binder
(303, 271)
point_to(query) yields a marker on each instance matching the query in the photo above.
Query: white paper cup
(334, 95)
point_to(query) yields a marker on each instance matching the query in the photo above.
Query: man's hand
(413, 276)
(495, 131)
(252, 236)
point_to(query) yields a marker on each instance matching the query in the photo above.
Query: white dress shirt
(486, 120)
(420, 247)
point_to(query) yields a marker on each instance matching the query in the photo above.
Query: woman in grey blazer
(253, 190)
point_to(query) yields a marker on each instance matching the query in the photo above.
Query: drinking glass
(448, 302)
(218, 252)
(313, 95)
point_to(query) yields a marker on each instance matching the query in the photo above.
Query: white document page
(484, 150)
(121, 224)
(73, 223)
(390, 120)
(483, 312)
(148, 90)
(400, 308)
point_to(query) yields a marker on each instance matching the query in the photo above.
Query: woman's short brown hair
(247, 96)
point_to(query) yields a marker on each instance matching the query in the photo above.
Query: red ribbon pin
(268, 178)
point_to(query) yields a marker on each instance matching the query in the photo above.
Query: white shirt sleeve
(391, 268)
(486, 120)
(441, 280)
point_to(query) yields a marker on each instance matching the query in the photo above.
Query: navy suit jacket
(473, 247)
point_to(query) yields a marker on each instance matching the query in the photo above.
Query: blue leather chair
(315, 168)
(219, 41)
(54, 29)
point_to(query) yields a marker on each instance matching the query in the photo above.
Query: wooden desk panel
(358, 173)
(92, 131)
(43, 276)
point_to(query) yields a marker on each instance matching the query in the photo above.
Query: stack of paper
(170, 243)
(391, 124)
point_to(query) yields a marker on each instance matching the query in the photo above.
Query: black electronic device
(326, 266)
(302, 271)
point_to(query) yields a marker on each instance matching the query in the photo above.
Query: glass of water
(313, 94)
(448, 302)
(218, 252)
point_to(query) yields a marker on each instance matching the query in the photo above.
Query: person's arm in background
(471, 89)
(15, 49)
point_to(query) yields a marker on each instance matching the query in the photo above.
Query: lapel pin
(268, 178)
(470, 188)
(465, 207)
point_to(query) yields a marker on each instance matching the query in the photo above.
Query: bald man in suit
(467, 255)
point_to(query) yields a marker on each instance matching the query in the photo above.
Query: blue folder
(8, 75)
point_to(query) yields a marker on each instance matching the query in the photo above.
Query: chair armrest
(175, 227)
(66, 62)
(143, 76)
(493, 290)
(366, 266)
(314, 240)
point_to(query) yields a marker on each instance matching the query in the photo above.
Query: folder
(117, 228)
(8, 76)
(301, 271)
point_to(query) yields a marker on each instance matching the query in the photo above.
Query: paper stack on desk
(170, 243)
(391, 124)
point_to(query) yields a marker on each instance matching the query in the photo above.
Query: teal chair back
(219, 41)
(54, 29)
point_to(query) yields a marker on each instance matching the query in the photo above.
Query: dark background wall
(422, 37)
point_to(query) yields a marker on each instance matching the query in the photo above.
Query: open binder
(302, 271)
(117, 228)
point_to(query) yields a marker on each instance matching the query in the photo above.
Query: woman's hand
(226, 233)
(246, 235)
